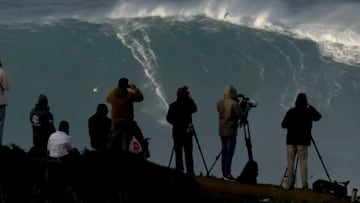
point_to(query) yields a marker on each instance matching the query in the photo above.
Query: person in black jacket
(99, 125)
(298, 122)
(180, 116)
(42, 122)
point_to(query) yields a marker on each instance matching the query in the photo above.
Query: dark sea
(74, 51)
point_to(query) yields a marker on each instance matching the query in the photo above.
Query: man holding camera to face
(123, 125)
(180, 116)
(298, 121)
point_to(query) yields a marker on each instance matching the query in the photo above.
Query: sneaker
(229, 178)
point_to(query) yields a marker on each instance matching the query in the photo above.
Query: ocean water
(74, 51)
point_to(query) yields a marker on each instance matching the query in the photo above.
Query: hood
(301, 101)
(43, 101)
(230, 92)
(102, 109)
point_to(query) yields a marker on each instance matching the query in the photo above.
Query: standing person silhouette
(4, 86)
(42, 122)
(180, 116)
(298, 122)
(99, 125)
(123, 126)
(230, 113)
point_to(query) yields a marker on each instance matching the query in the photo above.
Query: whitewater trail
(143, 53)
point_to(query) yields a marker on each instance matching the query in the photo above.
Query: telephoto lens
(252, 103)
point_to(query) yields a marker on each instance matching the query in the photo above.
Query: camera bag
(334, 188)
(328, 186)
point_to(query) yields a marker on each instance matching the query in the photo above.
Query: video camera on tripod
(246, 104)
(246, 101)
(250, 172)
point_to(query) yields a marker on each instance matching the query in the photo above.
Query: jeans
(228, 150)
(2, 121)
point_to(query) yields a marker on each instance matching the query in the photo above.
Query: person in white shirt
(59, 143)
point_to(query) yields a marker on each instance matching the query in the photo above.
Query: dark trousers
(2, 121)
(183, 144)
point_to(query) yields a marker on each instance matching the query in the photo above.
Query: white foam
(333, 27)
(142, 52)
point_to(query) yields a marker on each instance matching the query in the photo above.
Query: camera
(245, 101)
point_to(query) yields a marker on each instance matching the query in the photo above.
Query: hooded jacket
(99, 126)
(42, 122)
(298, 122)
(230, 112)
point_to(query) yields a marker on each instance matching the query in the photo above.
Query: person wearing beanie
(123, 124)
(4, 86)
(42, 123)
(179, 115)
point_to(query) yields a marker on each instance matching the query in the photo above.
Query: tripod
(337, 188)
(322, 162)
(192, 131)
(285, 176)
(212, 166)
(250, 172)
(250, 169)
(247, 138)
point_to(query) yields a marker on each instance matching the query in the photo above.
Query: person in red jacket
(123, 125)
(298, 122)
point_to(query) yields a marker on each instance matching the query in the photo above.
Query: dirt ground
(225, 191)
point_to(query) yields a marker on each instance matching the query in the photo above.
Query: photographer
(230, 113)
(180, 116)
(298, 122)
(123, 125)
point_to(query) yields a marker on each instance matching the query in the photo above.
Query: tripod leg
(212, 166)
(191, 130)
(202, 155)
(172, 154)
(297, 162)
(296, 166)
(285, 176)
(322, 162)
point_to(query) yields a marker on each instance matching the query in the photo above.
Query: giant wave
(269, 52)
